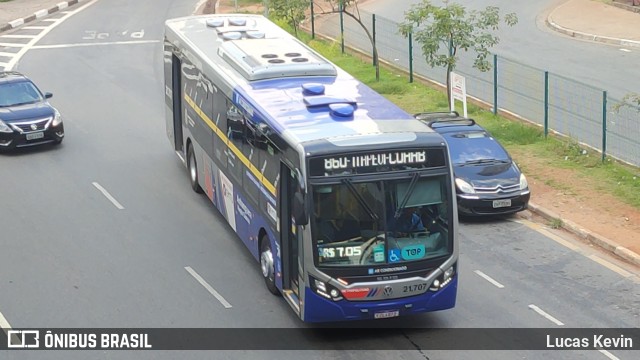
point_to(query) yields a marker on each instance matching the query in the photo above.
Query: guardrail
(580, 111)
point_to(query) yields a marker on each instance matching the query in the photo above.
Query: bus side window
(220, 120)
(235, 135)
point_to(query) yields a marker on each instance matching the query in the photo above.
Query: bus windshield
(381, 222)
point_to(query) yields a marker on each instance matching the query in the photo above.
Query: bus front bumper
(319, 309)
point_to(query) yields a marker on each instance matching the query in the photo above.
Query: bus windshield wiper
(361, 201)
(481, 161)
(405, 200)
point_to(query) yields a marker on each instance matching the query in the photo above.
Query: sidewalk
(596, 22)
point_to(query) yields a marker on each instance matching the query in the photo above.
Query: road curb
(593, 238)
(37, 15)
(586, 36)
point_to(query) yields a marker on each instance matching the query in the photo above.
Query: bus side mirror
(299, 210)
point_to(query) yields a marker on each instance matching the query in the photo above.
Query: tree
(452, 28)
(350, 8)
(293, 11)
(631, 100)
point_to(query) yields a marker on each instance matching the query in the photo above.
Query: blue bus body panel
(319, 309)
(281, 102)
(243, 217)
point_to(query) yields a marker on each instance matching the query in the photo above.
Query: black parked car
(488, 182)
(26, 117)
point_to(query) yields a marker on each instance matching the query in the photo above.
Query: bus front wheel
(267, 266)
(193, 169)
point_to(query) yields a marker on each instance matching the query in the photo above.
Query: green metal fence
(569, 107)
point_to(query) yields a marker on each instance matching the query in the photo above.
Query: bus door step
(292, 299)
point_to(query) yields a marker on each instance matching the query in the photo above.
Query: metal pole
(410, 58)
(604, 125)
(373, 22)
(266, 8)
(546, 104)
(495, 84)
(236, 2)
(341, 27)
(313, 23)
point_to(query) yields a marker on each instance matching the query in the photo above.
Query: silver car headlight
(5, 128)
(524, 185)
(464, 186)
(57, 119)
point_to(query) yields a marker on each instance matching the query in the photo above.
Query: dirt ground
(571, 198)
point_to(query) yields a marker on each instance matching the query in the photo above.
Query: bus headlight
(325, 290)
(464, 186)
(442, 280)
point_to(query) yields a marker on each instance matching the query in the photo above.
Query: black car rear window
(477, 145)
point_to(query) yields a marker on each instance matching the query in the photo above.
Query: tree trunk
(373, 44)
(449, 86)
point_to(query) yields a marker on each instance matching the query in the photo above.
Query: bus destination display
(377, 162)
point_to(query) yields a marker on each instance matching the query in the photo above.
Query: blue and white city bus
(346, 201)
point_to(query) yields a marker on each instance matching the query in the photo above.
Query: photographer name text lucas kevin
(597, 341)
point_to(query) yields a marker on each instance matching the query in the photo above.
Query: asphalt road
(530, 42)
(73, 257)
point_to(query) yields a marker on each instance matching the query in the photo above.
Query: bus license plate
(386, 314)
(501, 203)
(33, 136)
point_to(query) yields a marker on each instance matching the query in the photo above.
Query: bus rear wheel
(267, 266)
(192, 165)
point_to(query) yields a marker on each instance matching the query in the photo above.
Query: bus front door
(290, 235)
(176, 89)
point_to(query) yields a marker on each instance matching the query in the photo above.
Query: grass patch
(615, 178)
(556, 223)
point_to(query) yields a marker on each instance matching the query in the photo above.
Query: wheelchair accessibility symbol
(394, 255)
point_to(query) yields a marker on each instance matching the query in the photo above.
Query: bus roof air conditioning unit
(261, 59)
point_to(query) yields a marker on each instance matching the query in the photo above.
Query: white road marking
(489, 279)
(56, 22)
(3, 64)
(34, 27)
(4, 324)
(211, 290)
(575, 248)
(13, 45)
(18, 36)
(108, 196)
(547, 233)
(610, 266)
(625, 50)
(6, 54)
(59, 46)
(609, 355)
(549, 317)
